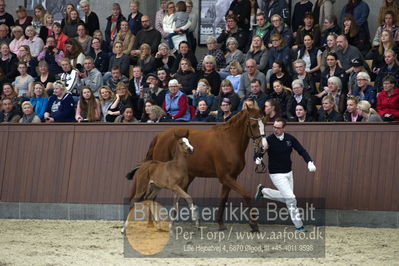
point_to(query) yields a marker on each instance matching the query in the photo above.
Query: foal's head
(181, 136)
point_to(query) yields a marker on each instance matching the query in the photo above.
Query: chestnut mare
(220, 152)
(152, 176)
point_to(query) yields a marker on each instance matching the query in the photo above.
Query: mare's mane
(234, 121)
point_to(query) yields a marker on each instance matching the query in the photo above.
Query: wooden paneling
(357, 165)
(37, 163)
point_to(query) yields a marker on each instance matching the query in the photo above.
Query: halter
(261, 168)
(253, 137)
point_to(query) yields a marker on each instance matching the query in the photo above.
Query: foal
(152, 176)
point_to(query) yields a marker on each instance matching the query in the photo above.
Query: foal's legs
(233, 184)
(194, 210)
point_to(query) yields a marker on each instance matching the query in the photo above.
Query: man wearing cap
(176, 103)
(150, 88)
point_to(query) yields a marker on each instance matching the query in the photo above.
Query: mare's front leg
(232, 183)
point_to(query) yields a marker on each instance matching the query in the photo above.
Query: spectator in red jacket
(388, 100)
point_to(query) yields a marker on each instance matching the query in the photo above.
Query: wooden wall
(357, 165)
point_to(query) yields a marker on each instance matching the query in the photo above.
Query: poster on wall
(212, 22)
(55, 7)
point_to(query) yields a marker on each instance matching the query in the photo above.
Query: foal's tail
(150, 151)
(130, 175)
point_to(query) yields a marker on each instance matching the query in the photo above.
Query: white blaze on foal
(185, 140)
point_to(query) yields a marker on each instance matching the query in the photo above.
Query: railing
(357, 164)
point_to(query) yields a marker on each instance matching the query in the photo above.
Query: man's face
(145, 22)
(2, 6)
(278, 128)
(255, 88)
(152, 80)
(88, 65)
(50, 42)
(231, 23)
(3, 32)
(260, 20)
(299, 68)
(137, 72)
(116, 74)
(297, 89)
(7, 106)
(341, 43)
(251, 67)
(65, 66)
(276, 22)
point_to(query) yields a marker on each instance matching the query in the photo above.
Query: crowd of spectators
(312, 66)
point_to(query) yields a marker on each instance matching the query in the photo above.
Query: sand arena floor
(54, 242)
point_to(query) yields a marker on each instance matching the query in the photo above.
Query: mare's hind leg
(222, 205)
(233, 184)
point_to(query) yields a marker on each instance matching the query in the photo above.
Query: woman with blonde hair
(386, 42)
(146, 61)
(123, 98)
(60, 107)
(203, 92)
(118, 59)
(209, 72)
(226, 91)
(38, 98)
(364, 90)
(157, 114)
(107, 97)
(19, 39)
(34, 42)
(91, 18)
(329, 111)
(186, 76)
(126, 37)
(258, 52)
(47, 28)
(26, 57)
(235, 70)
(29, 115)
(351, 114)
(369, 114)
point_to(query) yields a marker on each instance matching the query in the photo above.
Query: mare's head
(181, 136)
(256, 130)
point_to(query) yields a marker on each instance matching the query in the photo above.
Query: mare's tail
(150, 151)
